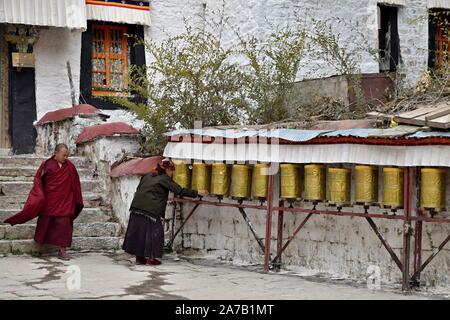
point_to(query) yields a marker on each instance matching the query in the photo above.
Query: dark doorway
(388, 39)
(22, 107)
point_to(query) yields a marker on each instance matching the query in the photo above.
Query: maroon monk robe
(56, 198)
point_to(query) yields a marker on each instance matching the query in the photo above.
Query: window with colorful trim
(110, 60)
(108, 52)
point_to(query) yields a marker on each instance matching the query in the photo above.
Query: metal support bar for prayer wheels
(250, 226)
(406, 228)
(415, 281)
(280, 252)
(182, 225)
(385, 244)
(416, 274)
(277, 261)
(269, 221)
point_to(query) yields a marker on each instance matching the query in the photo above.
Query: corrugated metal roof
(396, 132)
(292, 134)
(297, 135)
(360, 133)
(430, 134)
(228, 133)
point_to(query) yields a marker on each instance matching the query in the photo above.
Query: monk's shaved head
(61, 152)
(61, 146)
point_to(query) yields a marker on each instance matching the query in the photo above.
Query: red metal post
(417, 235)
(406, 229)
(417, 252)
(430, 258)
(293, 236)
(280, 226)
(268, 222)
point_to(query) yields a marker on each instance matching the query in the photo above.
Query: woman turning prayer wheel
(145, 236)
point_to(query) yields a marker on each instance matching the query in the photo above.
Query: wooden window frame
(137, 58)
(439, 41)
(107, 55)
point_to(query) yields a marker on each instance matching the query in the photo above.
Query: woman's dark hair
(158, 171)
(162, 166)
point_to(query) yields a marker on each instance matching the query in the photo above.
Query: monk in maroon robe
(55, 199)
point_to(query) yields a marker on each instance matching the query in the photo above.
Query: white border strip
(404, 156)
(444, 4)
(117, 14)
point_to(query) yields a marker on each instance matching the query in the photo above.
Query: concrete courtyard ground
(115, 276)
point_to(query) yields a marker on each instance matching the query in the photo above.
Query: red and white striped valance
(129, 12)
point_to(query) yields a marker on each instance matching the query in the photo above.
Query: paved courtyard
(114, 276)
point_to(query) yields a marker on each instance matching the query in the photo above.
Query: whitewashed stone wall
(66, 131)
(107, 150)
(54, 48)
(103, 152)
(123, 189)
(258, 18)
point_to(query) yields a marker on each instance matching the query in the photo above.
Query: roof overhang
(48, 13)
(402, 146)
(130, 12)
(439, 4)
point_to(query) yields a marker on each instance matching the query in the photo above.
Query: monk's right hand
(203, 193)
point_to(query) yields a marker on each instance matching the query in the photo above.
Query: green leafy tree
(271, 72)
(191, 78)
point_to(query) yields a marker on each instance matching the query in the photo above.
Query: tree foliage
(191, 78)
(271, 72)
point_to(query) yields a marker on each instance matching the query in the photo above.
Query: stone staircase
(96, 228)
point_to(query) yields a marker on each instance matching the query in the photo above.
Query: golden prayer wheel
(290, 184)
(201, 176)
(182, 174)
(339, 186)
(366, 184)
(240, 181)
(259, 180)
(393, 187)
(432, 188)
(220, 179)
(314, 182)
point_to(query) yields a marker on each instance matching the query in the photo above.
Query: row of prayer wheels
(238, 181)
(244, 181)
(432, 186)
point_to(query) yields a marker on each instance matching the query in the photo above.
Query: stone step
(96, 229)
(33, 161)
(91, 200)
(78, 243)
(10, 188)
(27, 173)
(88, 215)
